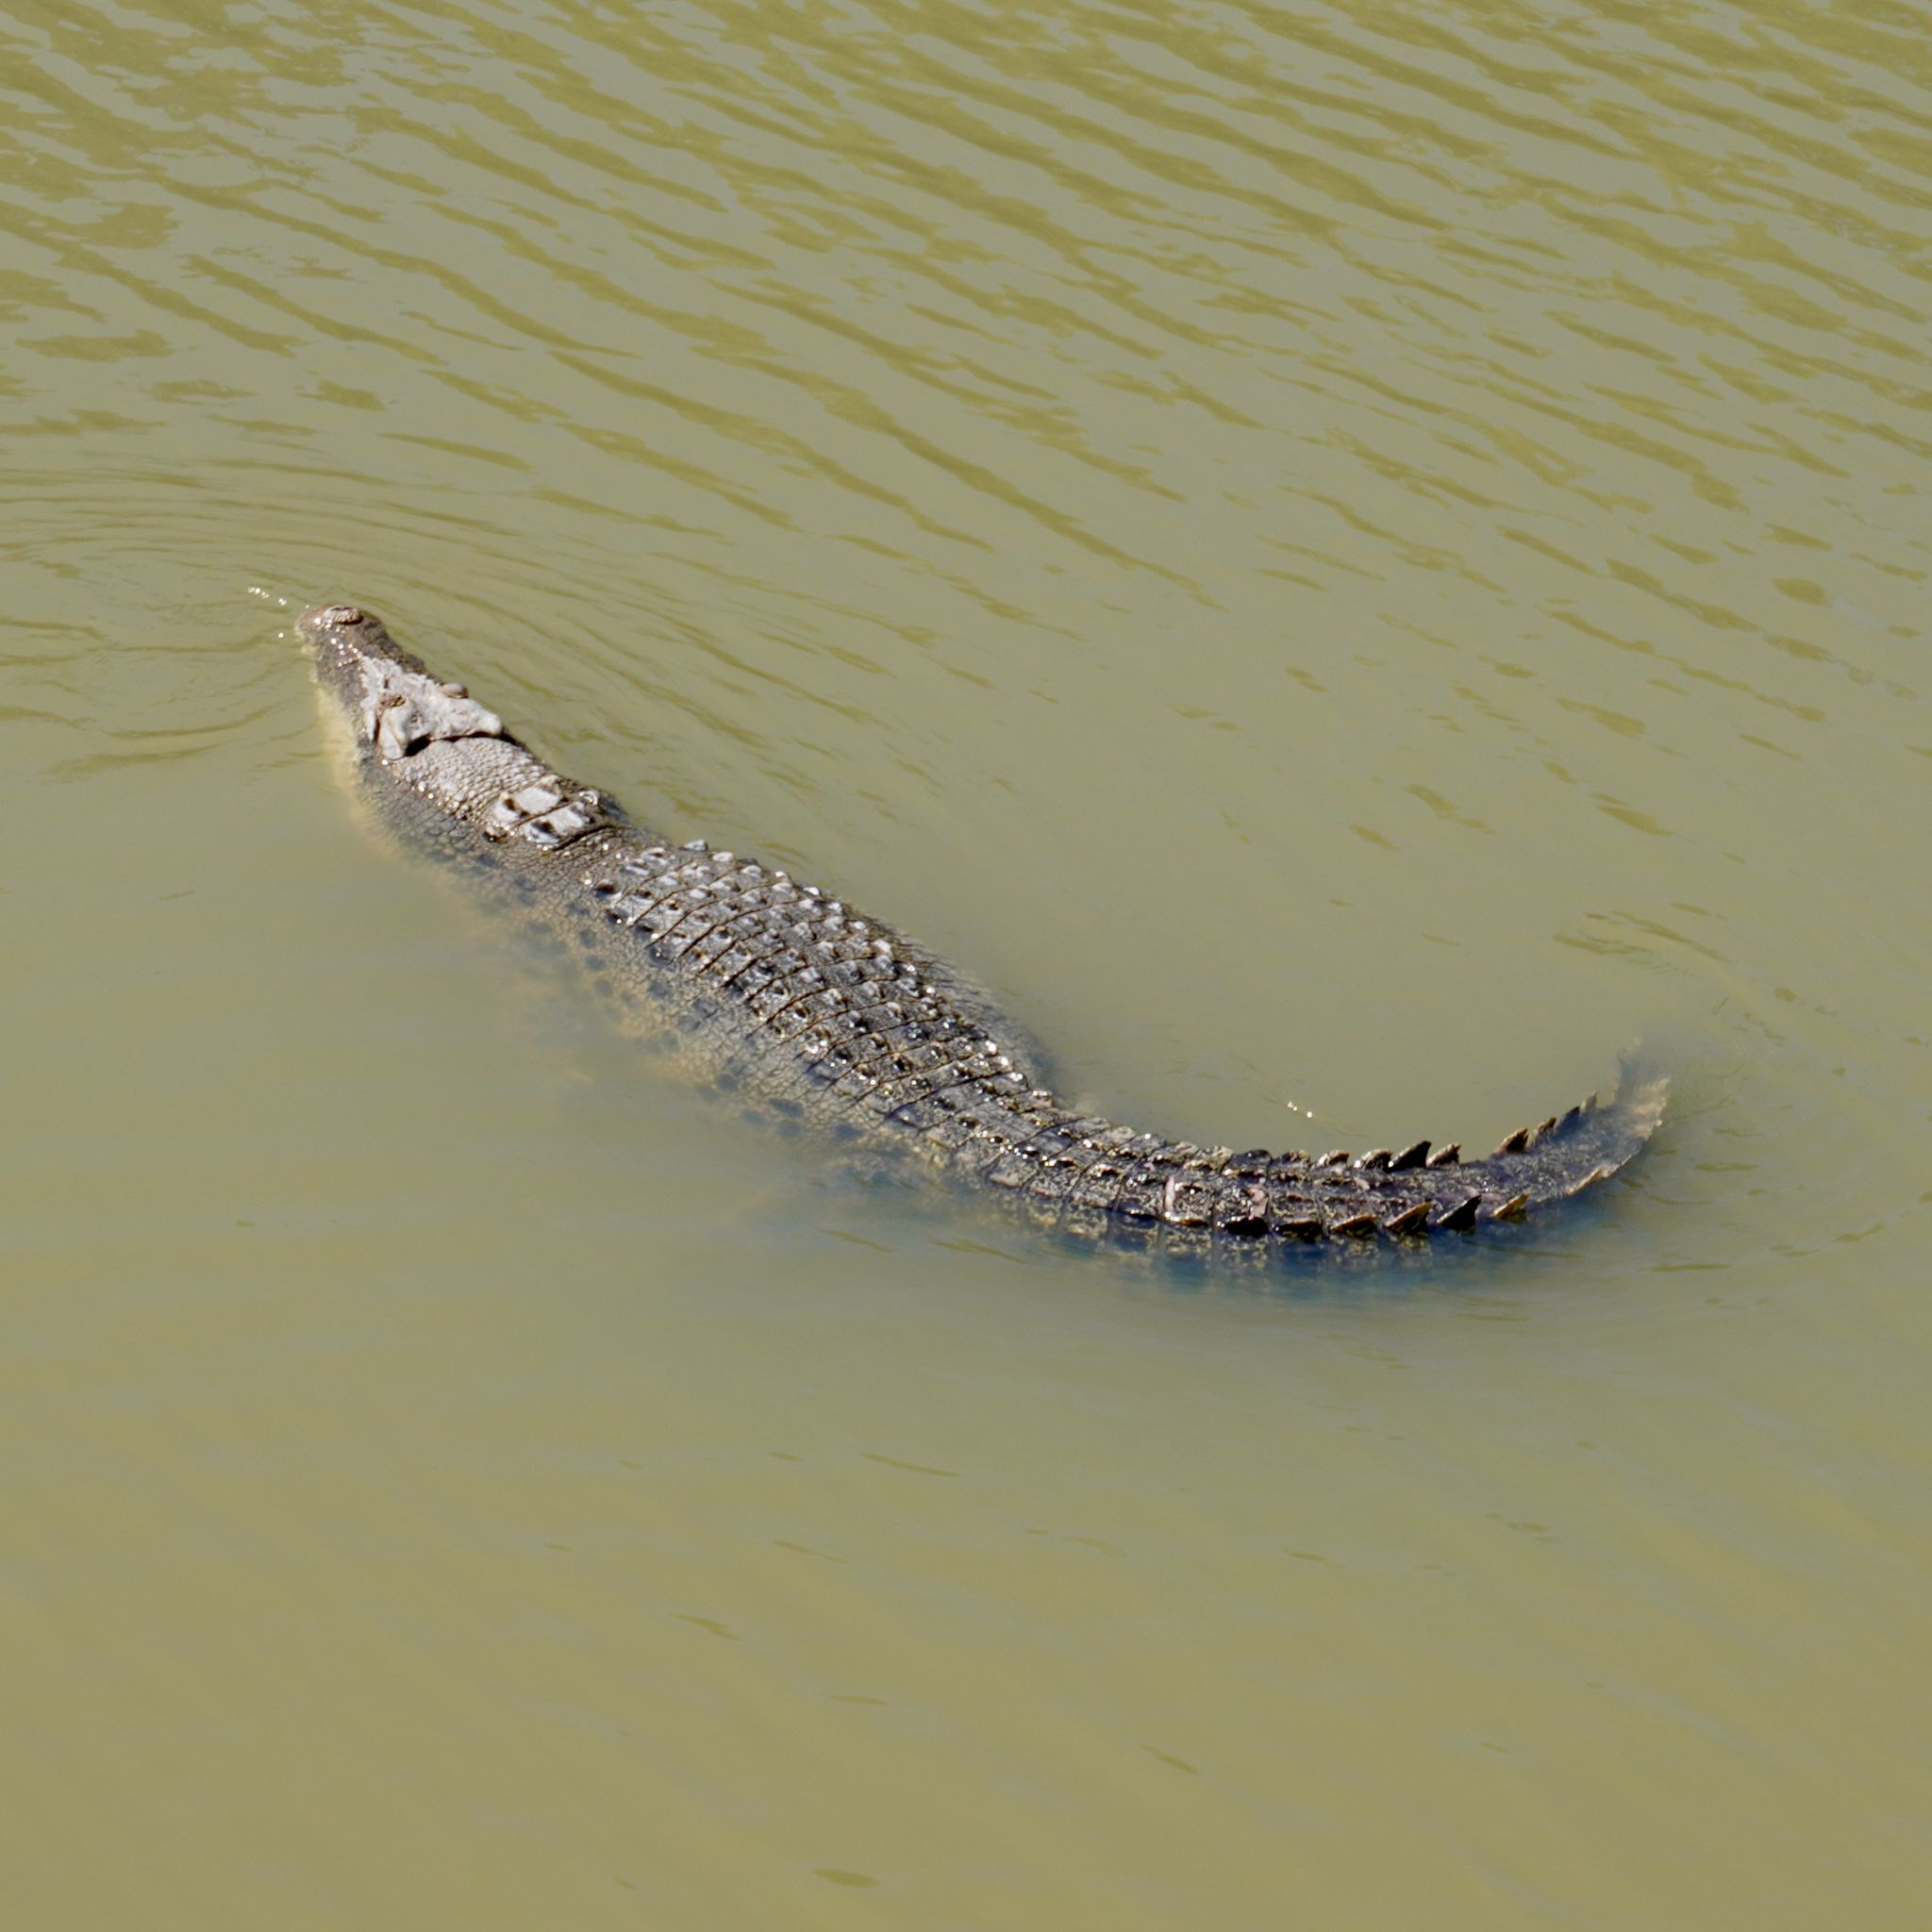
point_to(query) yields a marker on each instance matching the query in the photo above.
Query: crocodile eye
(340, 615)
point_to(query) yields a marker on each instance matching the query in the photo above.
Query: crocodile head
(393, 707)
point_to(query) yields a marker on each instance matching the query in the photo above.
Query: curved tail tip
(1643, 1098)
(1568, 1155)
(1634, 1114)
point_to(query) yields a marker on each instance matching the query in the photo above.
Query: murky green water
(1352, 560)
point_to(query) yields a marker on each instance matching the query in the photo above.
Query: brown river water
(1353, 560)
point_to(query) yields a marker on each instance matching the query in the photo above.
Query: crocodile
(813, 1009)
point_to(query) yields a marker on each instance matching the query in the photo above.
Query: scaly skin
(775, 988)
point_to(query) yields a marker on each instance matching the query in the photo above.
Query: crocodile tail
(1571, 1152)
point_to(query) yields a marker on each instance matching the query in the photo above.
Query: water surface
(1352, 561)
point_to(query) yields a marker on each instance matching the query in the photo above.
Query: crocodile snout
(330, 617)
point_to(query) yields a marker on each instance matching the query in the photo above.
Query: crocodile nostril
(340, 614)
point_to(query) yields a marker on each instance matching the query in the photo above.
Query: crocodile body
(816, 1010)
